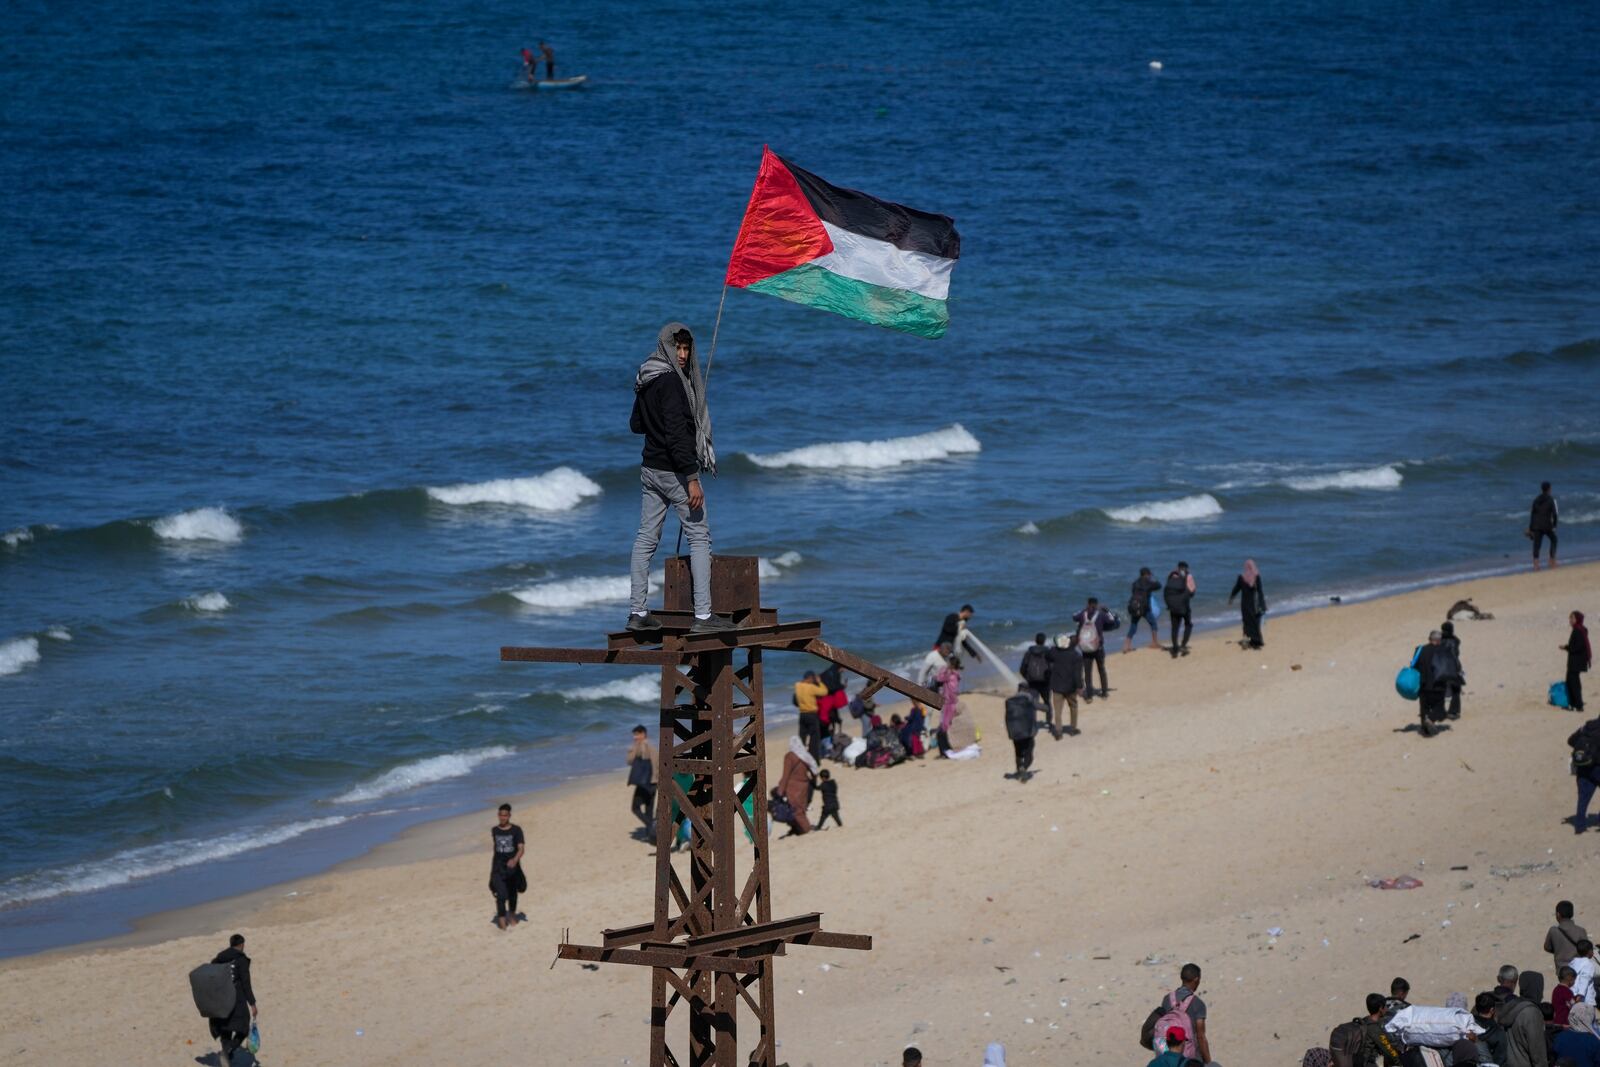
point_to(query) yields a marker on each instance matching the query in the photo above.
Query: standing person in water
(1178, 591)
(506, 877)
(1543, 518)
(669, 409)
(1252, 602)
(1580, 657)
(1142, 606)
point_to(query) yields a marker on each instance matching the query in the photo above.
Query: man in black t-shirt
(506, 877)
(954, 628)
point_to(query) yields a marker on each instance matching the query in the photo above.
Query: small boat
(554, 83)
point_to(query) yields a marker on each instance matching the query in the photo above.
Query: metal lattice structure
(713, 940)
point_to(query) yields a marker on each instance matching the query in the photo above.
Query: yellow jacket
(806, 695)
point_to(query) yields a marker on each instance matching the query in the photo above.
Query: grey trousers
(659, 491)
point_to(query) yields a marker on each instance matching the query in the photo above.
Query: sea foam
(151, 860)
(1183, 509)
(201, 524)
(566, 594)
(13, 538)
(641, 689)
(1385, 477)
(18, 653)
(58, 633)
(422, 772)
(874, 455)
(560, 489)
(212, 601)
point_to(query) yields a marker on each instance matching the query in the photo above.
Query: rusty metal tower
(713, 939)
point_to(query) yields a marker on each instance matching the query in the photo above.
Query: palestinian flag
(843, 251)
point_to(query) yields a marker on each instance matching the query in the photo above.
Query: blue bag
(1558, 694)
(1408, 683)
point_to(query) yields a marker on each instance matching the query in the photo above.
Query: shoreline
(1289, 778)
(435, 837)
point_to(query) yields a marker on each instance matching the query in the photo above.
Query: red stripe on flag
(780, 230)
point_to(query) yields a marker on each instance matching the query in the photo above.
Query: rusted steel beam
(767, 634)
(743, 765)
(624, 936)
(824, 939)
(872, 672)
(756, 933)
(659, 957)
(646, 657)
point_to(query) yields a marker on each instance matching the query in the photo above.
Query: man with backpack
(1035, 670)
(1439, 669)
(234, 1030)
(1362, 1040)
(1140, 608)
(1178, 591)
(1093, 622)
(1183, 1010)
(1585, 745)
(1523, 1022)
(1022, 722)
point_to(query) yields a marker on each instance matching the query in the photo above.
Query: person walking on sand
(1439, 670)
(1585, 745)
(234, 1031)
(830, 800)
(1093, 622)
(794, 782)
(1022, 722)
(1185, 1000)
(1178, 591)
(1252, 603)
(1580, 657)
(949, 683)
(1066, 678)
(1561, 940)
(1452, 644)
(669, 409)
(1543, 517)
(642, 776)
(506, 876)
(1142, 605)
(1035, 670)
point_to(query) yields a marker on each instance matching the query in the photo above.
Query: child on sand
(830, 800)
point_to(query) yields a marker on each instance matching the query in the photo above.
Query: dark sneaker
(643, 622)
(716, 624)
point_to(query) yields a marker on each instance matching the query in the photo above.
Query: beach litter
(1410, 939)
(1274, 931)
(1404, 881)
(1522, 870)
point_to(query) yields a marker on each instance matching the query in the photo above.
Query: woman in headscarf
(1580, 657)
(1252, 602)
(1580, 1041)
(795, 781)
(911, 732)
(949, 682)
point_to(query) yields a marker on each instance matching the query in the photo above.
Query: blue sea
(317, 339)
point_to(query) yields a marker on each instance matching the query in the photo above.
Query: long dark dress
(1252, 605)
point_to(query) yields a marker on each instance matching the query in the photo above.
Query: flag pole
(713, 353)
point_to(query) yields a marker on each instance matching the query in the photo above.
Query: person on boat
(669, 409)
(530, 66)
(548, 54)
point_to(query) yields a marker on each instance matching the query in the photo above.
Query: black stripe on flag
(904, 227)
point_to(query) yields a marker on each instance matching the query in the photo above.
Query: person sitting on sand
(794, 782)
(911, 731)
(782, 811)
(506, 876)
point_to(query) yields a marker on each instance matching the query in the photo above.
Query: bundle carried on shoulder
(213, 989)
(1433, 1027)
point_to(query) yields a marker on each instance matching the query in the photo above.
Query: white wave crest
(201, 524)
(567, 593)
(875, 455)
(422, 772)
(212, 601)
(1576, 518)
(774, 568)
(1385, 477)
(643, 689)
(151, 860)
(18, 653)
(560, 489)
(58, 633)
(1183, 509)
(13, 538)
(1029, 528)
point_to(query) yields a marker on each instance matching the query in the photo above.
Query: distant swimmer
(1542, 520)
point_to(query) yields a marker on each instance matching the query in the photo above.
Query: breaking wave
(561, 489)
(874, 455)
(1183, 509)
(18, 653)
(1385, 477)
(212, 601)
(201, 524)
(58, 633)
(422, 772)
(13, 538)
(150, 860)
(566, 594)
(644, 689)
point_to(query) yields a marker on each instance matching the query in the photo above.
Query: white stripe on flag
(866, 259)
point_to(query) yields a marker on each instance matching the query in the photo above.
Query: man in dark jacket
(1523, 1022)
(1178, 591)
(1585, 745)
(1093, 622)
(669, 409)
(1022, 722)
(1035, 670)
(1543, 517)
(1440, 670)
(1066, 678)
(235, 1029)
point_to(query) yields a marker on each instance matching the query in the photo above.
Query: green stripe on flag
(898, 309)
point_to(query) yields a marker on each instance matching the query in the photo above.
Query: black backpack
(1344, 1044)
(1035, 666)
(1585, 746)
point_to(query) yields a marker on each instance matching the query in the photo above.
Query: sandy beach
(1211, 799)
